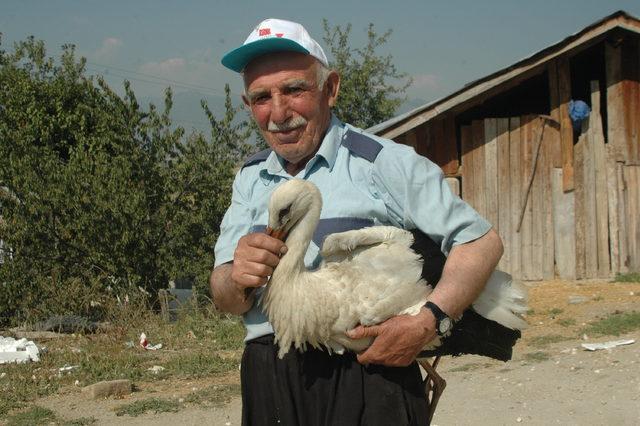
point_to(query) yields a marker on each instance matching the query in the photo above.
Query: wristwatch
(444, 323)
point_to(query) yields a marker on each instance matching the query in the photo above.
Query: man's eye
(295, 89)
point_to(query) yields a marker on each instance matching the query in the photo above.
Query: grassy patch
(615, 324)
(633, 277)
(470, 366)
(555, 311)
(567, 322)
(542, 341)
(33, 416)
(538, 356)
(598, 298)
(216, 395)
(466, 367)
(81, 421)
(190, 349)
(200, 365)
(155, 405)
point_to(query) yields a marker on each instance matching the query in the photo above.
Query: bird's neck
(292, 263)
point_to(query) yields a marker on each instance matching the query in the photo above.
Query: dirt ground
(551, 380)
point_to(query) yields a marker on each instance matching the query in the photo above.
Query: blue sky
(441, 44)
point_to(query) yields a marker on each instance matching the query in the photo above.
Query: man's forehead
(279, 73)
(279, 62)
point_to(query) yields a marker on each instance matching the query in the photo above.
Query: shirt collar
(328, 150)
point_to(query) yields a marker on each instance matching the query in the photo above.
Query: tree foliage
(371, 88)
(98, 194)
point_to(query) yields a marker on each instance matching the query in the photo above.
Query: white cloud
(108, 49)
(425, 81)
(170, 68)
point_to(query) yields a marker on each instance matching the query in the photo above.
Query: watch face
(445, 325)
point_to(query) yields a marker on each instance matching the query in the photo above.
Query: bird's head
(289, 202)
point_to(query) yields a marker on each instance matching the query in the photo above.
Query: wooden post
(491, 170)
(477, 135)
(526, 230)
(615, 101)
(589, 208)
(515, 192)
(504, 193)
(546, 168)
(612, 199)
(579, 208)
(623, 218)
(564, 228)
(566, 128)
(537, 201)
(600, 189)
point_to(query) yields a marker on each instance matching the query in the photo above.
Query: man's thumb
(361, 331)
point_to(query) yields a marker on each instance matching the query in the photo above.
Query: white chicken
(367, 276)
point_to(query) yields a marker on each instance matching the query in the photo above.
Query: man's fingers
(361, 331)
(266, 242)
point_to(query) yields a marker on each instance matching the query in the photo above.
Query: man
(364, 181)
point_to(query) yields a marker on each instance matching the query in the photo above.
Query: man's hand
(254, 260)
(398, 340)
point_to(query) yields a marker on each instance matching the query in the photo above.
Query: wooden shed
(565, 201)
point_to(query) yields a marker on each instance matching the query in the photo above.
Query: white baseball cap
(273, 35)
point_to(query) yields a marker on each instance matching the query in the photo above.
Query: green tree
(98, 195)
(371, 88)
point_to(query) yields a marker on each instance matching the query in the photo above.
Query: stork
(366, 277)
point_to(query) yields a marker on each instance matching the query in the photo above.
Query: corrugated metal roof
(540, 56)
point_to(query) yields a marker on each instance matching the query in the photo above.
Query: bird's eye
(284, 212)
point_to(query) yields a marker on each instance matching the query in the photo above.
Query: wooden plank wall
(497, 161)
(581, 214)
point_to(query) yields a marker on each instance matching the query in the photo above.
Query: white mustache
(293, 123)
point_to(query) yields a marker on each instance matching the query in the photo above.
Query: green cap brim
(238, 59)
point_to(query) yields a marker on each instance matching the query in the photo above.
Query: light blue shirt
(365, 181)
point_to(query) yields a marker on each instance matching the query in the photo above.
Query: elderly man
(364, 180)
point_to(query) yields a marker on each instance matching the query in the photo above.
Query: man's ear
(333, 87)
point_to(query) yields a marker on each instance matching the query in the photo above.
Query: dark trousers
(315, 388)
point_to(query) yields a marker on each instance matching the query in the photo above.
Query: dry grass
(201, 343)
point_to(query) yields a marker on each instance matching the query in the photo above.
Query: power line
(176, 82)
(183, 85)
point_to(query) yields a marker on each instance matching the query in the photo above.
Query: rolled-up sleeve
(235, 224)
(417, 196)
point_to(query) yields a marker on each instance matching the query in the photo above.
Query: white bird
(366, 277)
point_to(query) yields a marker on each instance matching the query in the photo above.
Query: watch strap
(438, 313)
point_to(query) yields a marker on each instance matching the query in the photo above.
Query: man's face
(292, 111)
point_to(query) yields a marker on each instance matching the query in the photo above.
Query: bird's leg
(434, 384)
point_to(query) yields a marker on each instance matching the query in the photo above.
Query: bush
(98, 195)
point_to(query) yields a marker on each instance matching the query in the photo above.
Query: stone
(574, 300)
(109, 388)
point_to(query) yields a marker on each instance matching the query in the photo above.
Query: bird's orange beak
(279, 234)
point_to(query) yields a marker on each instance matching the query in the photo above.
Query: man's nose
(280, 112)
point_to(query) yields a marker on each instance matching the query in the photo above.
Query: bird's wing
(343, 244)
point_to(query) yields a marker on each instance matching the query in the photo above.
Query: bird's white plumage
(367, 276)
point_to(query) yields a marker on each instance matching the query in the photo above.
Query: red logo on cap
(264, 31)
(279, 34)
